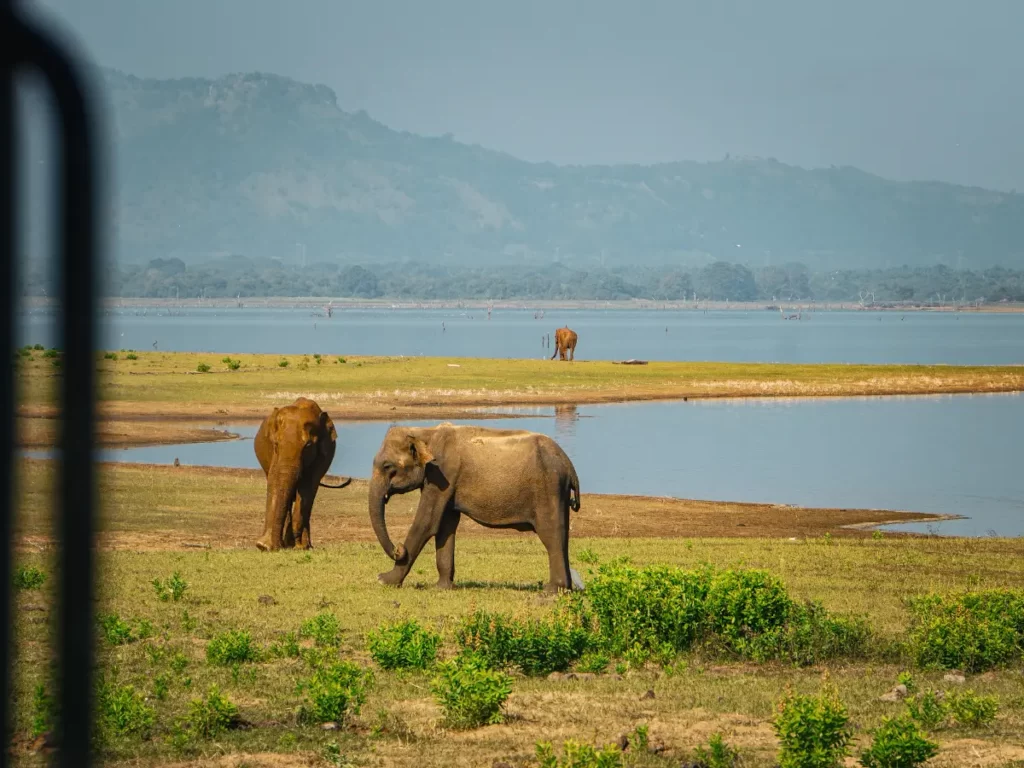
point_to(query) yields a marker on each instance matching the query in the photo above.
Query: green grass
(168, 378)
(401, 723)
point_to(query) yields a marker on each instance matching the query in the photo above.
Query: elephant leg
(301, 513)
(552, 527)
(427, 523)
(444, 546)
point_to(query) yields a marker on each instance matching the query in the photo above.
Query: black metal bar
(8, 292)
(75, 524)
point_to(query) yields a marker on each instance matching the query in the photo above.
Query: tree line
(718, 281)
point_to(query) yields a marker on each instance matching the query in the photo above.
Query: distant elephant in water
(499, 478)
(565, 341)
(295, 446)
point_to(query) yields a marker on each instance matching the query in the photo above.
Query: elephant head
(299, 443)
(400, 466)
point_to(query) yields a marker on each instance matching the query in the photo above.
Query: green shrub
(131, 356)
(324, 629)
(282, 363)
(287, 647)
(928, 709)
(593, 662)
(898, 743)
(470, 693)
(810, 635)
(576, 755)
(43, 711)
(110, 356)
(122, 711)
(212, 715)
(234, 646)
(203, 368)
(29, 577)
(340, 360)
(970, 710)
(233, 365)
(51, 353)
(972, 631)
(717, 754)
(813, 731)
(38, 347)
(117, 631)
(161, 686)
(172, 589)
(536, 646)
(334, 691)
(318, 359)
(403, 645)
(179, 662)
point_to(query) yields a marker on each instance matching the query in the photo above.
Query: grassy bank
(160, 385)
(199, 523)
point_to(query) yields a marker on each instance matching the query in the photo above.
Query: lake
(613, 334)
(951, 454)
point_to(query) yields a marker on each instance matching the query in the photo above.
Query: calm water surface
(953, 454)
(741, 336)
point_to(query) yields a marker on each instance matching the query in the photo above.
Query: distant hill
(255, 164)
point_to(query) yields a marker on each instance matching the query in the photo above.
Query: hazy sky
(918, 89)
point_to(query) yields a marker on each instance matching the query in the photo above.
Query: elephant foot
(392, 578)
(264, 544)
(445, 584)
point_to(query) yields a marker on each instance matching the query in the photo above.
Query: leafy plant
(212, 715)
(898, 743)
(29, 577)
(576, 755)
(117, 631)
(593, 662)
(972, 631)
(469, 692)
(717, 754)
(282, 363)
(324, 629)
(233, 365)
(403, 645)
(235, 646)
(203, 368)
(51, 353)
(43, 711)
(38, 347)
(161, 686)
(179, 662)
(171, 590)
(813, 731)
(287, 647)
(123, 711)
(131, 356)
(587, 556)
(907, 679)
(340, 360)
(318, 359)
(335, 690)
(928, 709)
(536, 646)
(110, 356)
(971, 710)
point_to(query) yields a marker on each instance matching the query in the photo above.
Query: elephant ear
(419, 451)
(273, 426)
(328, 426)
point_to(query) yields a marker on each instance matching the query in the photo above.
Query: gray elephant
(295, 447)
(499, 478)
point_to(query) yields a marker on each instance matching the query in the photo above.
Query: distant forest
(719, 281)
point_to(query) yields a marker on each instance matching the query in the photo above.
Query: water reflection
(565, 421)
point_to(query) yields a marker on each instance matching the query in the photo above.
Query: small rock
(896, 694)
(954, 677)
(267, 600)
(329, 726)
(648, 695)
(623, 741)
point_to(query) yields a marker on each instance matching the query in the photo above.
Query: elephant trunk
(281, 486)
(378, 500)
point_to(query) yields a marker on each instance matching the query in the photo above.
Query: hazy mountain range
(267, 167)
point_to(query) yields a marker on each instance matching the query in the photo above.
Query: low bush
(282, 363)
(334, 691)
(171, 590)
(928, 709)
(235, 646)
(131, 356)
(717, 754)
(51, 353)
(43, 710)
(110, 356)
(576, 755)
(971, 710)
(470, 693)
(898, 743)
(211, 715)
(324, 629)
(203, 368)
(593, 662)
(117, 631)
(535, 646)
(813, 731)
(29, 577)
(38, 347)
(403, 645)
(122, 711)
(972, 631)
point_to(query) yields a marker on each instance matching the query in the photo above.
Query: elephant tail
(574, 490)
(342, 484)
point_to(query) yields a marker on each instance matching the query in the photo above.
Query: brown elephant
(499, 478)
(565, 341)
(295, 446)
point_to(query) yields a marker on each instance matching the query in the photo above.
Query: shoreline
(343, 303)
